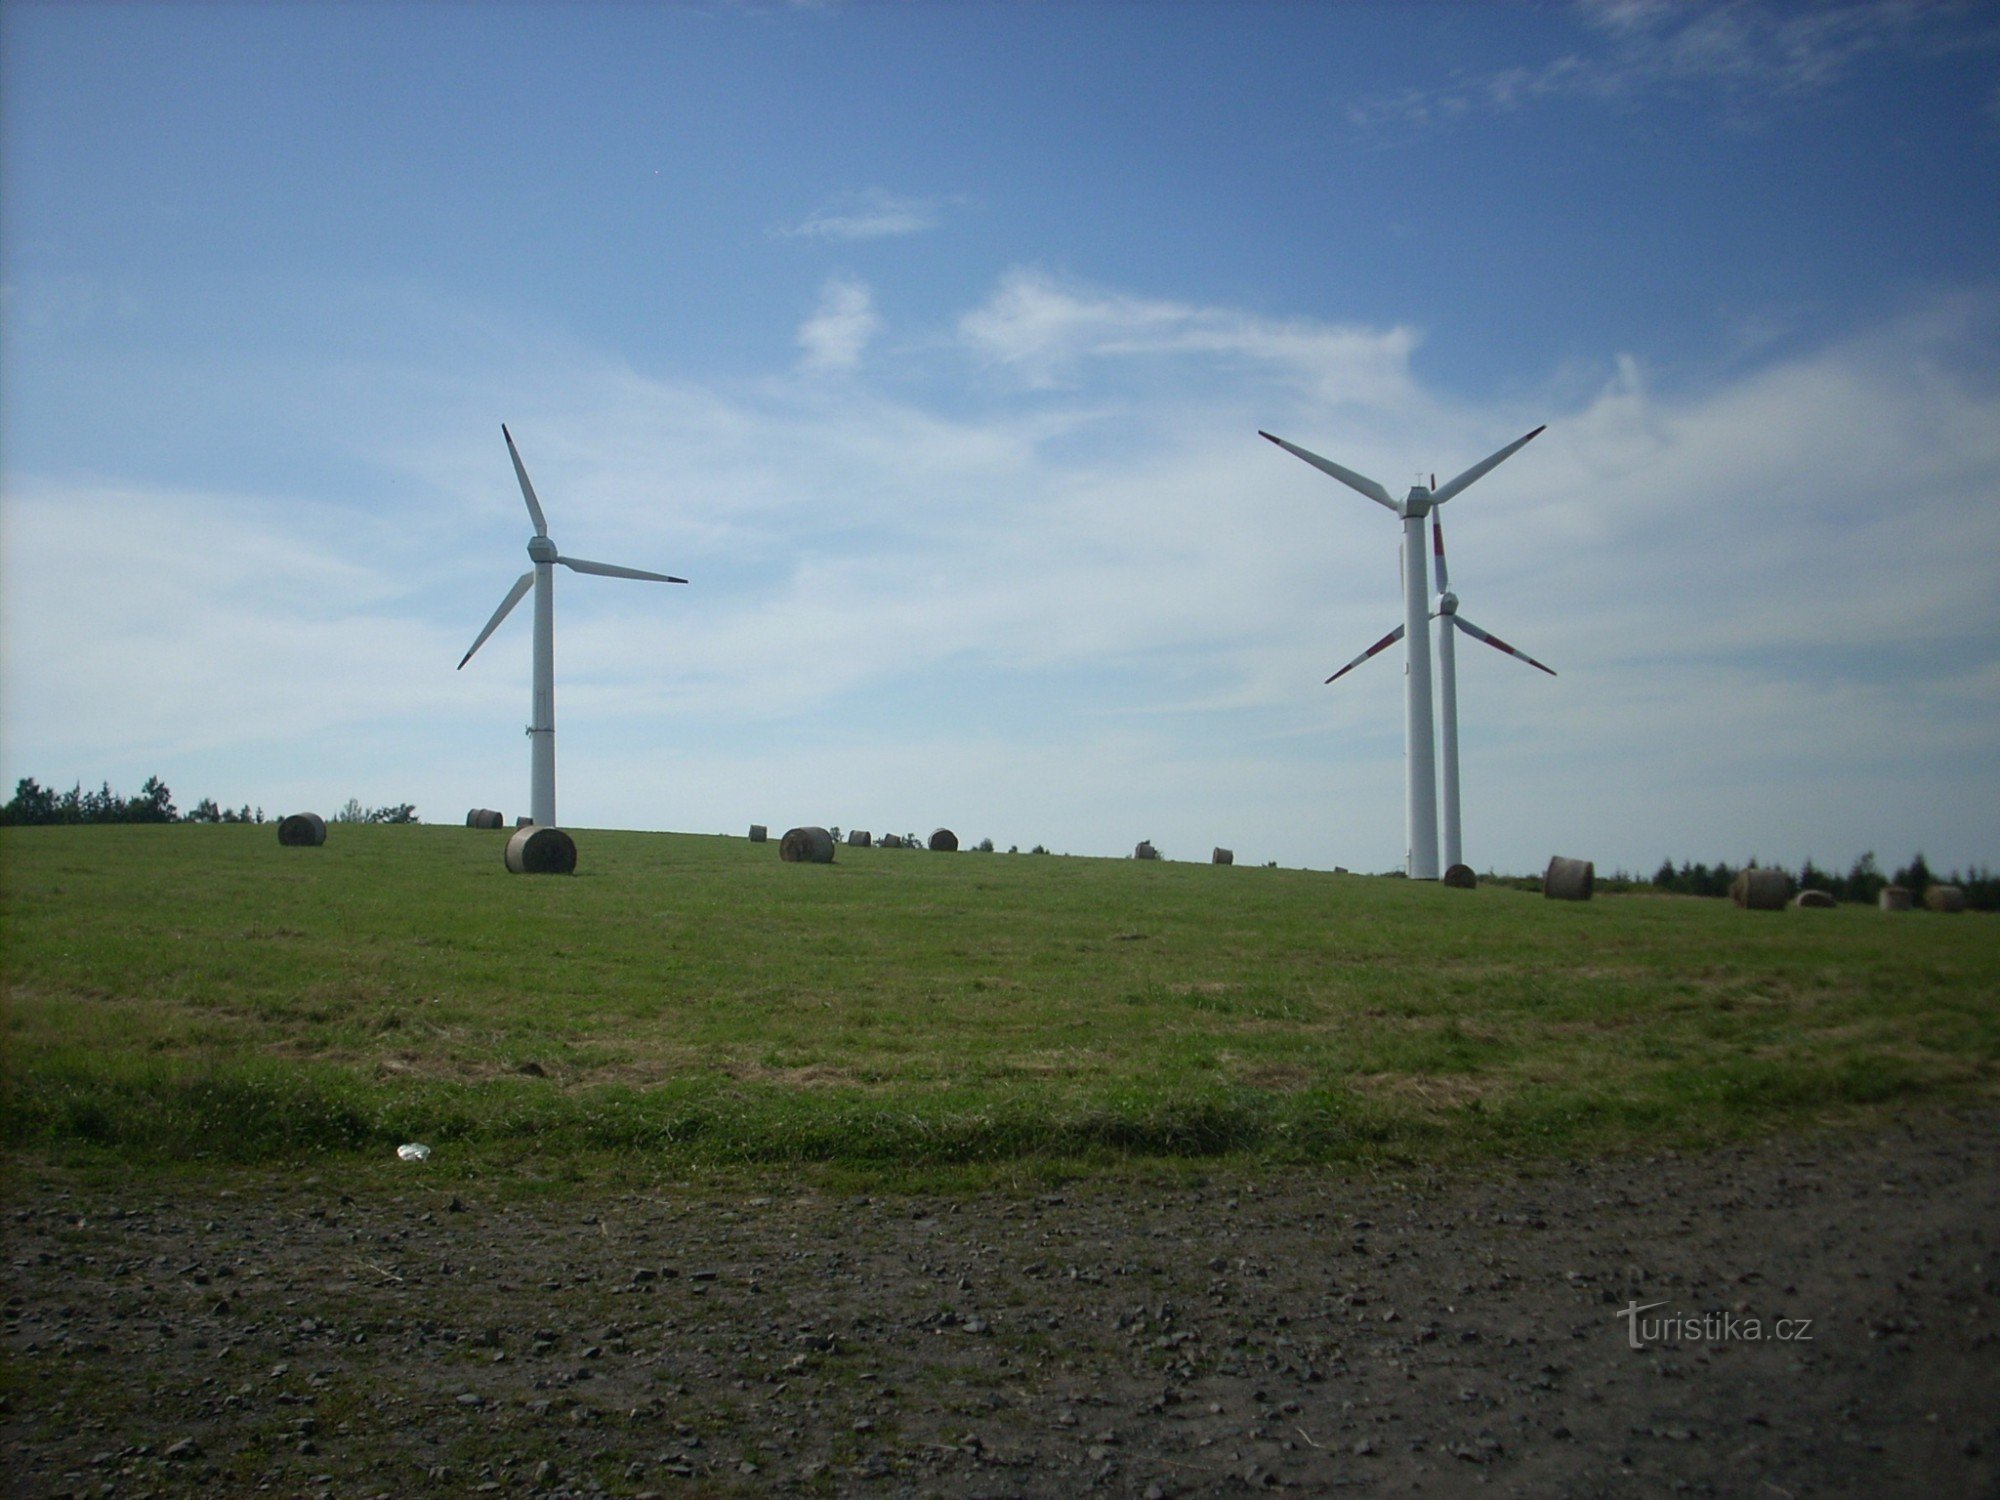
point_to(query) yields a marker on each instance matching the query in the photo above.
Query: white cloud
(1044, 331)
(834, 336)
(871, 214)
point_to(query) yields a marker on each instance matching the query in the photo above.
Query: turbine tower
(1419, 758)
(1450, 621)
(542, 722)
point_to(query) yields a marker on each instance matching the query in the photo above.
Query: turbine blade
(1437, 550)
(1497, 644)
(1348, 477)
(527, 489)
(1485, 466)
(1388, 640)
(521, 586)
(609, 570)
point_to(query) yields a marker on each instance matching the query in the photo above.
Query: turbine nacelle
(1447, 603)
(541, 549)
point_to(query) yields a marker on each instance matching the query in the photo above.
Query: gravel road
(1819, 1318)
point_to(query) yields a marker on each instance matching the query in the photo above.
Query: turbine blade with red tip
(1369, 487)
(1497, 644)
(1388, 640)
(1485, 466)
(1437, 551)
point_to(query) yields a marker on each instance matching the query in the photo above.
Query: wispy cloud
(1043, 330)
(1743, 52)
(871, 214)
(834, 336)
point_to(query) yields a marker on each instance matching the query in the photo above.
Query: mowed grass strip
(186, 992)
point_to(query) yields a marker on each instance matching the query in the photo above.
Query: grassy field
(178, 993)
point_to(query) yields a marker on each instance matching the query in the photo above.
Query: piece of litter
(415, 1151)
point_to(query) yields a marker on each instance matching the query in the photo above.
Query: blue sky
(931, 342)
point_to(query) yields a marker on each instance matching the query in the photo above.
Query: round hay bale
(759, 833)
(1895, 898)
(1761, 890)
(859, 838)
(1569, 879)
(1814, 900)
(1145, 850)
(537, 850)
(302, 831)
(892, 841)
(944, 841)
(1461, 878)
(1944, 898)
(806, 846)
(524, 822)
(485, 817)
(1222, 856)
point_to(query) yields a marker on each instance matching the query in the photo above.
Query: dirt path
(1385, 1336)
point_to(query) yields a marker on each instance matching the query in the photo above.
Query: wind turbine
(1450, 621)
(1419, 750)
(542, 724)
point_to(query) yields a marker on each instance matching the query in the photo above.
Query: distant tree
(351, 812)
(33, 803)
(1916, 875)
(154, 804)
(1663, 878)
(205, 811)
(402, 812)
(984, 846)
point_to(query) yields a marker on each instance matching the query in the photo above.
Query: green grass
(198, 992)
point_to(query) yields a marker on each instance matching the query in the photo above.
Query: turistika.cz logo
(1708, 1328)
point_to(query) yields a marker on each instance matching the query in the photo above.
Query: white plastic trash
(415, 1151)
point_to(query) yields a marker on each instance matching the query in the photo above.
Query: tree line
(1863, 882)
(34, 803)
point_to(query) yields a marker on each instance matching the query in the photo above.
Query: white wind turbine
(1449, 621)
(1419, 750)
(542, 725)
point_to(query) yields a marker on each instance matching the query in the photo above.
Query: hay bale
(759, 833)
(1569, 879)
(1145, 850)
(1222, 856)
(538, 850)
(1895, 898)
(485, 817)
(944, 841)
(806, 846)
(1461, 878)
(892, 841)
(1814, 900)
(302, 831)
(859, 838)
(1761, 890)
(1944, 898)
(524, 822)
